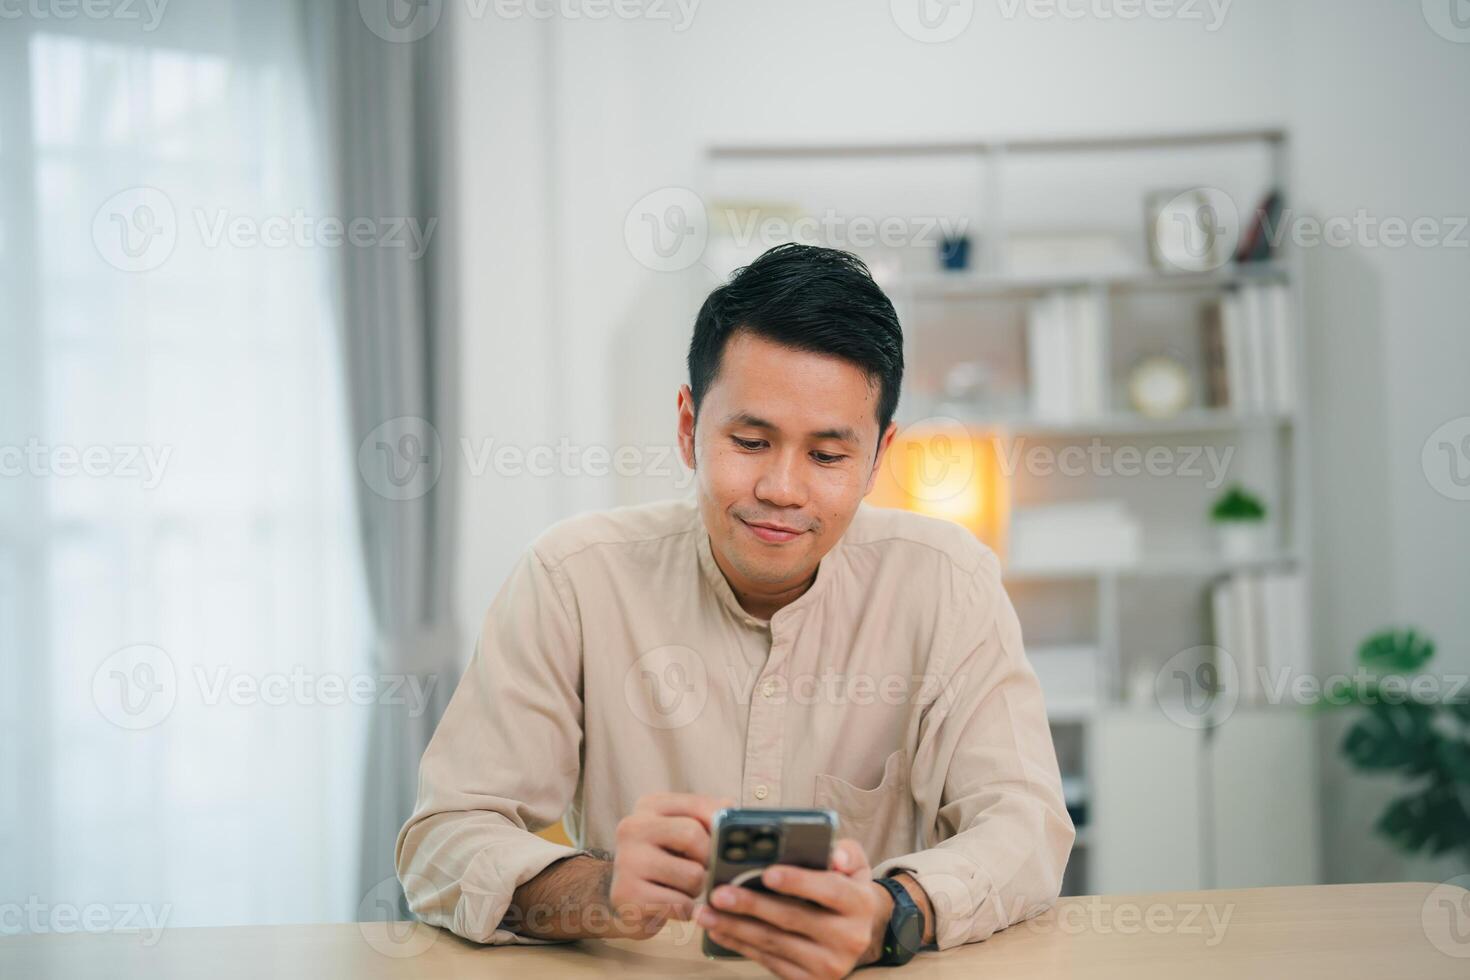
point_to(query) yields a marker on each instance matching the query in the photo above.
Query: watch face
(908, 933)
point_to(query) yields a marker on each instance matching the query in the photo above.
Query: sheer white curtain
(181, 635)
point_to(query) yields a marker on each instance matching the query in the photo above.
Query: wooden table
(1340, 932)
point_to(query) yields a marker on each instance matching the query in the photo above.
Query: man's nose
(781, 483)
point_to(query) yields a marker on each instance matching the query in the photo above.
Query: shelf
(1120, 423)
(968, 285)
(1010, 144)
(1182, 566)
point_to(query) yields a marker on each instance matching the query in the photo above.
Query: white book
(1090, 370)
(1283, 337)
(1257, 349)
(1246, 590)
(1232, 333)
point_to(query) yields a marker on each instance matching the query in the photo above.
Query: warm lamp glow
(945, 470)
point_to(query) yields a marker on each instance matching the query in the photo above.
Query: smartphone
(744, 841)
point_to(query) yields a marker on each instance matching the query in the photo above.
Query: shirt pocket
(881, 818)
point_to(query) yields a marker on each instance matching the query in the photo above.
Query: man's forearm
(567, 900)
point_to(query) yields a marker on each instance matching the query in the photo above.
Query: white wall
(560, 318)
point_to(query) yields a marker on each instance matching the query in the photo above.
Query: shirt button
(761, 792)
(769, 687)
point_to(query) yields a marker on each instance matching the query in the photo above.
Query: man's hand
(837, 927)
(659, 866)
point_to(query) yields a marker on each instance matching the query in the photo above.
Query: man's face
(785, 448)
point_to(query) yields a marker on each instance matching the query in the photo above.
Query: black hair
(809, 298)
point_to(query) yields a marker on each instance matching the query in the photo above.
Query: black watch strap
(905, 932)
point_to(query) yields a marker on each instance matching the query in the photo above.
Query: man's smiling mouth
(770, 532)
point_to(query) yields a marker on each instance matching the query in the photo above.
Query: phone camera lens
(735, 853)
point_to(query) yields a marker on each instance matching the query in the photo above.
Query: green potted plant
(1415, 725)
(1240, 523)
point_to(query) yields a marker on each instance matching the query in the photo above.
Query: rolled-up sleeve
(985, 778)
(503, 763)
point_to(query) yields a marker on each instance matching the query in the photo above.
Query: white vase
(1242, 540)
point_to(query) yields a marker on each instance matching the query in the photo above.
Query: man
(771, 643)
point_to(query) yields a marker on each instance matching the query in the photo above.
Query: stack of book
(1249, 350)
(1064, 355)
(1260, 621)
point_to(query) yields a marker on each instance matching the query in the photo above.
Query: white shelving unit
(1138, 615)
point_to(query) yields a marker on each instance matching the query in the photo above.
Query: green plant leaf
(1454, 760)
(1434, 819)
(1396, 651)
(1393, 736)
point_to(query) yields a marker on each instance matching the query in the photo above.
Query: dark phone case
(805, 841)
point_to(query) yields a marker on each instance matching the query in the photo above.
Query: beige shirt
(616, 662)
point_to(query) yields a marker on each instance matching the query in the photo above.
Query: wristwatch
(905, 932)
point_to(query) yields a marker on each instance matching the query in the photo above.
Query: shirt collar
(829, 568)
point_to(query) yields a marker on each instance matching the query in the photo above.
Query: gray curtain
(383, 103)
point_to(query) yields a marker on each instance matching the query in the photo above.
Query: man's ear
(882, 454)
(687, 413)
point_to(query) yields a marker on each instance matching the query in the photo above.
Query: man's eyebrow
(843, 433)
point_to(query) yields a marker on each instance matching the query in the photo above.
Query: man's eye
(828, 457)
(748, 443)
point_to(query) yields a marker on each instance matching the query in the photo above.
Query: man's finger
(798, 955)
(781, 912)
(849, 858)
(679, 873)
(829, 889)
(681, 835)
(701, 808)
